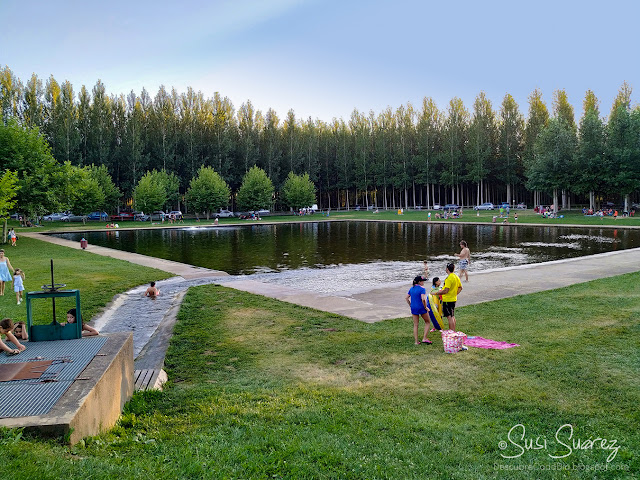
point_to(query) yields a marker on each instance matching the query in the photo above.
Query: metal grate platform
(22, 398)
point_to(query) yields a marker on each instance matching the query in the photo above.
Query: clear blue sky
(323, 58)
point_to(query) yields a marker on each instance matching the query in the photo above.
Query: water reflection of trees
(251, 248)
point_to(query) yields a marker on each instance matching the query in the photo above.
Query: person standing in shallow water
(465, 259)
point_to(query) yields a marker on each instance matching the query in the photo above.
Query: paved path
(152, 321)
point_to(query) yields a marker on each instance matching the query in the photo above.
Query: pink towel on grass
(480, 342)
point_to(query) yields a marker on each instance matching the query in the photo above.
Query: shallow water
(348, 257)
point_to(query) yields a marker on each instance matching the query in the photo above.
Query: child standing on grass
(6, 327)
(18, 284)
(13, 237)
(417, 299)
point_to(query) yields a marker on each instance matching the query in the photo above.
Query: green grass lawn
(263, 389)
(98, 278)
(571, 217)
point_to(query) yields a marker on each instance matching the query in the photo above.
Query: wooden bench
(149, 379)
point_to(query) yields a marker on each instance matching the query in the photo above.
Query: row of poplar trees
(397, 158)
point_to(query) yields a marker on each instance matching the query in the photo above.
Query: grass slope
(98, 278)
(263, 389)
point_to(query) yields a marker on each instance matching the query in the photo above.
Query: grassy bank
(571, 217)
(263, 389)
(98, 278)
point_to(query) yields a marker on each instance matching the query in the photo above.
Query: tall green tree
(481, 147)
(208, 191)
(536, 121)
(249, 146)
(111, 193)
(68, 132)
(455, 137)
(150, 193)
(256, 191)
(26, 151)
(32, 110)
(8, 192)
(299, 191)
(510, 144)
(429, 146)
(10, 94)
(591, 170)
(99, 135)
(622, 148)
(552, 169)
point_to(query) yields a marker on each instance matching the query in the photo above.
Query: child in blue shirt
(417, 299)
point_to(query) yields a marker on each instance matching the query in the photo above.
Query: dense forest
(413, 155)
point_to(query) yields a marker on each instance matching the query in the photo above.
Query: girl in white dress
(18, 284)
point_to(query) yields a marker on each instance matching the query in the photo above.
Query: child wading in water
(465, 259)
(152, 292)
(18, 284)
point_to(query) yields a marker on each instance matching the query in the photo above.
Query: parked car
(140, 217)
(158, 216)
(504, 205)
(175, 213)
(436, 206)
(450, 207)
(98, 216)
(76, 218)
(223, 213)
(56, 217)
(122, 216)
(521, 206)
(261, 213)
(485, 206)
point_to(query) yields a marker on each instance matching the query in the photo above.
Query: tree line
(400, 157)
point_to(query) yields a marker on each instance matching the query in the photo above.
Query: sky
(325, 58)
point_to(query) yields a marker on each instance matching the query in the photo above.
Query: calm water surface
(353, 256)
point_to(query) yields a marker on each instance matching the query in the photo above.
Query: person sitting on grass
(87, 331)
(6, 328)
(152, 292)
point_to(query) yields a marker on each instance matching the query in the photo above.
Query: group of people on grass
(441, 300)
(606, 212)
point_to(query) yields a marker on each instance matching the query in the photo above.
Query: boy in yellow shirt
(449, 294)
